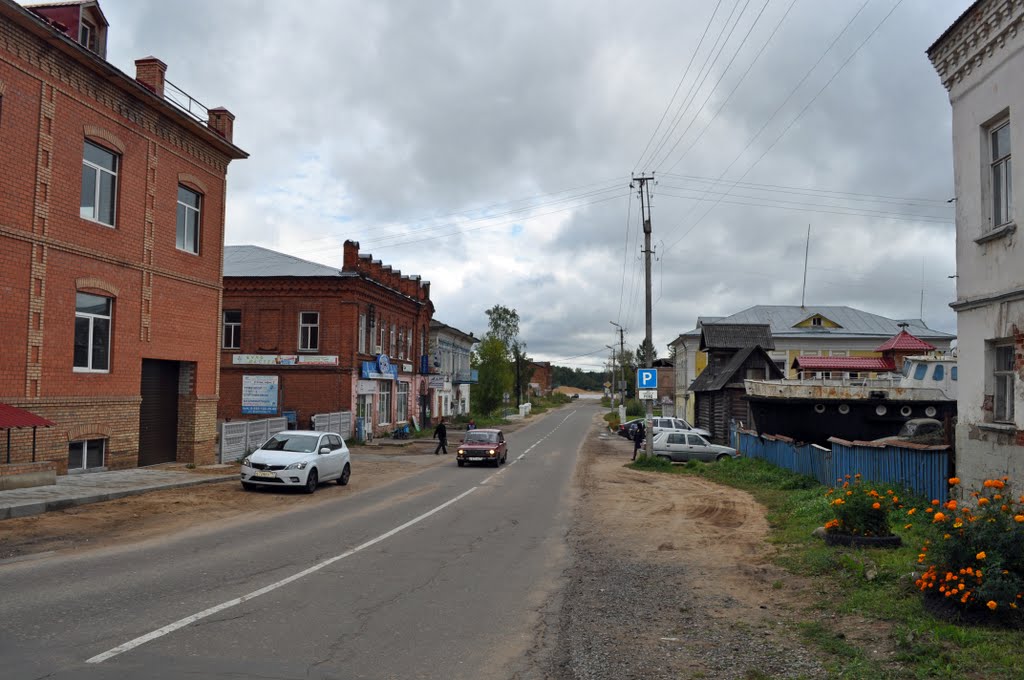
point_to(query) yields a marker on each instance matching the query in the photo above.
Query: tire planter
(863, 541)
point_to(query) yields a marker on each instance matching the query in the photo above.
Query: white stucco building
(980, 60)
(450, 372)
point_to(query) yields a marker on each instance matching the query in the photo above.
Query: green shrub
(644, 462)
(635, 408)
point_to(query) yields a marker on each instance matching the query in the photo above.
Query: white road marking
(181, 623)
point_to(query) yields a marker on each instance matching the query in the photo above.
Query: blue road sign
(647, 378)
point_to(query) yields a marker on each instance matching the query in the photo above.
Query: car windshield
(481, 437)
(299, 443)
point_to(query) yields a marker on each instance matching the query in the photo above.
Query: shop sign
(407, 368)
(366, 387)
(284, 359)
(380, 369)
(435, 382)
(259, 394)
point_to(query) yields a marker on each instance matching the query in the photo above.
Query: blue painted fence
(926, 471)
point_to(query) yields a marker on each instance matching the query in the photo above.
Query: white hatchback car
(298, 458)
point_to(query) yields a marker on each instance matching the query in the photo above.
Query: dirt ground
(138, 518)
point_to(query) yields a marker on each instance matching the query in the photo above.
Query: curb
(38, 508)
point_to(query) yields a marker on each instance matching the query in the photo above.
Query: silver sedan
(680, 447)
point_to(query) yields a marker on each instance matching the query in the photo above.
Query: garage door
(158, 415)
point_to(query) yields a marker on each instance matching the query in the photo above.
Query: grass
(922, 645)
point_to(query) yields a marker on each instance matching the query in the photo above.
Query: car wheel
(249, 487)
(312, 479)
(345, 474)
(723, 456)
(461, 463)
(664, 457)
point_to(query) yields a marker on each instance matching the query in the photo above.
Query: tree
(503, 324)
(495, 376)
(641, 359)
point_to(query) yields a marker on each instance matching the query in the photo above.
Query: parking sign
(647, 378)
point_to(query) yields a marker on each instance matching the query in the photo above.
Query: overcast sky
(488, 146)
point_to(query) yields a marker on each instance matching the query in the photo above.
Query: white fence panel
(258, 433)
(339, 421)
(233, 437)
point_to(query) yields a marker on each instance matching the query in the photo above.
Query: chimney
(222, 122)
(351, 257)
(151, 72)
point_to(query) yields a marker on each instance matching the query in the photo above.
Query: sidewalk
(71, 490)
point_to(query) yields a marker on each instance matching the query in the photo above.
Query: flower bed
(974, 558)
(861, 514)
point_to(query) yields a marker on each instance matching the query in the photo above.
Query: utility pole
(645, 213)
(622, 372)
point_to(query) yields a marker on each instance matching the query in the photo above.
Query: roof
(953, 26)
(261, 262)
(904, 341)
(872, 364)
(855, 323)
(711, 381)
(735, 336)
(436, 325)
(12, 417)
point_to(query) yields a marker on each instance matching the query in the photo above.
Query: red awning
(12, 418)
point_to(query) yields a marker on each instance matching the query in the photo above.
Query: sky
(488, 147)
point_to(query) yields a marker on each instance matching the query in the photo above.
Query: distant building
(306, 338)
(111, 302)
(980, 59)
(827, 331)
(540, 380)
(450, 371)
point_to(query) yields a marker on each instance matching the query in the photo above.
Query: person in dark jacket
(638, 437)
(441, 435)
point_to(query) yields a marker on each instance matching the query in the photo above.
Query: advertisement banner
(284, 359)
(366, 387)
(259, 394)
(435, 382)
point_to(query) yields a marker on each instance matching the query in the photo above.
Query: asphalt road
(451, 573)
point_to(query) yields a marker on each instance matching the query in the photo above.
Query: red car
(483, 446)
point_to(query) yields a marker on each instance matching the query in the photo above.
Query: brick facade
(270, 307)
(165, 301)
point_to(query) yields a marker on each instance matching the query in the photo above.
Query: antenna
(807, 250)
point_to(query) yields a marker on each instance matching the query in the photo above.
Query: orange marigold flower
(977, 573)
(946, 536)
(907, 526)
(911, 511)
(1018, 518)
(954, 481)
(998, 484)
(856, 476)
(981, 555)
(957, 523)
(849, 493)
(951, 505)
(935, 501)
(982, 501)
(929, 510)
(876, 506)
(1004, 507)
(970, 570)
(961, 586)
(991, 604)
(938, 517)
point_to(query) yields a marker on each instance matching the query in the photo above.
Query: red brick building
(308, 338)
(540, 380)
(111, 239)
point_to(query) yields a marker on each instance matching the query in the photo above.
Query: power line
(678, 86)
(625, 253)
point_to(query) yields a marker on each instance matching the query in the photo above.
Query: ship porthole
(881, 410)
(844, 408)
(930, 411)
(905, 411)
(819, 408)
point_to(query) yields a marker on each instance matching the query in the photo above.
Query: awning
(12, 418)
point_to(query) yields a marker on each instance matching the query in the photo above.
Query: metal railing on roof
(186, 102)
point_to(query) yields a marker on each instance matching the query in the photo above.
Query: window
(695, 440)
(380, 345)
(309, 331)
(402, 405)
(92, 332)
(188, 220)
(408, 343)
(920, 371)
(384, 403)
(677, 439)
(853, 375)
(1004, 383)
(939, 373)
(392, 344)
(86, 455)
(99, 184)
(816, 321)
(232, 329)
(362, 333)
(401, 343)
(952, 373)
(1002, 180)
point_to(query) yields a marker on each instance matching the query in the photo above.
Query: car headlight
(296, 466)
(461, 452)
(491, 452)
(247, 462)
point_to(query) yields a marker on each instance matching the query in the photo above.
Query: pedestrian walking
(441, 435)
(638, 437)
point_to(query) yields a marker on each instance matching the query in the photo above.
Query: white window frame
(381, 344)
(98, 171)
(231, 329)
(92, 328)
(306, 330)
(1000, 175)
(1004, 384)
(181, 240)
(384, 402)
(392, 344)
(362, 334)
(817, 321)
(83, 444)
(402, 402)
